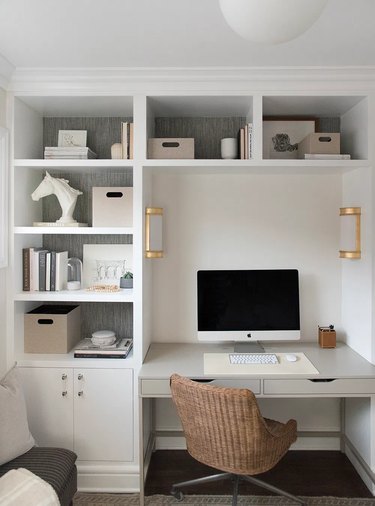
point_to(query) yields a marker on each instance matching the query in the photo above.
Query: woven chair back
(224, 428)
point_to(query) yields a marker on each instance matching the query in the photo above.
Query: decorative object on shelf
(281, 136)
(319, 143)
(105, 264)
(74, 281)
(229, 148)
(327, 336)
(350, 244)
(154, 232)
(271, 21)
(126, 281)
(52, 329)
(169, 148)
(103, 288)
(4, 154)
(112, 206)
(69, 153)
(66, 195)
(72, 138)
(116, 151)
(103, 338)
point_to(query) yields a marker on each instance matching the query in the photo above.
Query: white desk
(342, 373)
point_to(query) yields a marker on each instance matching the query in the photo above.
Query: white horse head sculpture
(66, 195)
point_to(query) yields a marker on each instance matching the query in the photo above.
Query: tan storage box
(319, 143)
(52, 329)
(171, 148)
(112, 206)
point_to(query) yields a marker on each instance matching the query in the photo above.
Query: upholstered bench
(56, 466)
(18, 449)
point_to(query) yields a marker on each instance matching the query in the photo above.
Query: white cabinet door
(49, 401)
(103, 414)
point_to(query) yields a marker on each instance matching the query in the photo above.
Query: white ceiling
(172, 33)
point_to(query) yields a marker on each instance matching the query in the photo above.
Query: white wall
(247, 221)
(250, 221)
(3, 272)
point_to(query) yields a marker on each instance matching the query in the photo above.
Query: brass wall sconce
(350, 232)
(154, 232)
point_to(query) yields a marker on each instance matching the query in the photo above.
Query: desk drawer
(155, 387)
(308, 387)
(150, 387)
(251, 384)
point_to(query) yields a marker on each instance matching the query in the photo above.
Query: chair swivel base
(236, 478)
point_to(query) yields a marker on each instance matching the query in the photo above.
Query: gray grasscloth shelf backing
(101, 132)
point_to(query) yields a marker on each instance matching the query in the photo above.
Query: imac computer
(248, 306)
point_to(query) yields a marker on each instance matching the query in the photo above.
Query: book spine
(97, 355)
(250, 140)
(42, 271)
(53, 271)
(131, 140)
(26, 269)
(48, 271)
(35, 271)
(124, 139)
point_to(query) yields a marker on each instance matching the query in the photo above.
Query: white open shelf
(74, 230)
(124, 295)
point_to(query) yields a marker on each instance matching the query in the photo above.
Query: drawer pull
(327, 380)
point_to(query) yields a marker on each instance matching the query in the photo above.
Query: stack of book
(67, 153)
(326, 156)
(246, 142)
(119, 349)
(127, 140)
(44, 270)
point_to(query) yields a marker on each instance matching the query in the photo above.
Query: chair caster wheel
(177, 494)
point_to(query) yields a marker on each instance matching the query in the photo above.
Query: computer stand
(253, 347)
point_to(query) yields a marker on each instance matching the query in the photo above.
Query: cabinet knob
(80, 376)
(64, 377)
(64, 393)
(80, 393)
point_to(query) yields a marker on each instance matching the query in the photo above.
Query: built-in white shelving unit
(217, 213)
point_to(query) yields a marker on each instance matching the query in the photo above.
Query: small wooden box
(52, 329)
(167, 148)
(112, 206)
(327, 337)
(319, 143)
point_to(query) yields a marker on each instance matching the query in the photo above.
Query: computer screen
(248, 305)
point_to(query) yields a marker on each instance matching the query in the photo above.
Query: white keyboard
(253, 358)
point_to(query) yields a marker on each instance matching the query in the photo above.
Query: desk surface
(186, 359)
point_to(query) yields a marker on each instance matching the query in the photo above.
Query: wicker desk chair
(224, 429)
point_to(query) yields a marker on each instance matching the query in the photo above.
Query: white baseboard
(364, 471)
(102, 478)
(310, 442)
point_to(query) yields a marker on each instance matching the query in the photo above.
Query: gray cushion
(15, 437)
(54, 465)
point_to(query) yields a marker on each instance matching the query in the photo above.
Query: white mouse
(290, 357)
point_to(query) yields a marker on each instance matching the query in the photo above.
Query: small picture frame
(282, 135)
(72, 138)
(105, 264)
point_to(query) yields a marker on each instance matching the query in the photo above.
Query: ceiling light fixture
(271, 21)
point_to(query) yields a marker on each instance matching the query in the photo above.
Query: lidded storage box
(319, 143)
(112, 206)
(170, 148)
(52, 329)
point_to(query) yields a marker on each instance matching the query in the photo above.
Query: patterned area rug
(88, 499)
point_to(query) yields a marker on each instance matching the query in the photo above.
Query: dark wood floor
(306, 473)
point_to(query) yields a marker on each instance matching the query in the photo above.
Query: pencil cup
(229, 148)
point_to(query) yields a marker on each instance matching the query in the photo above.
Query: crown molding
(132, 80)
(6, 71)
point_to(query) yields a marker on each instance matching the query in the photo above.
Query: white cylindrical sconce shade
(154, 232)
(350, 236)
